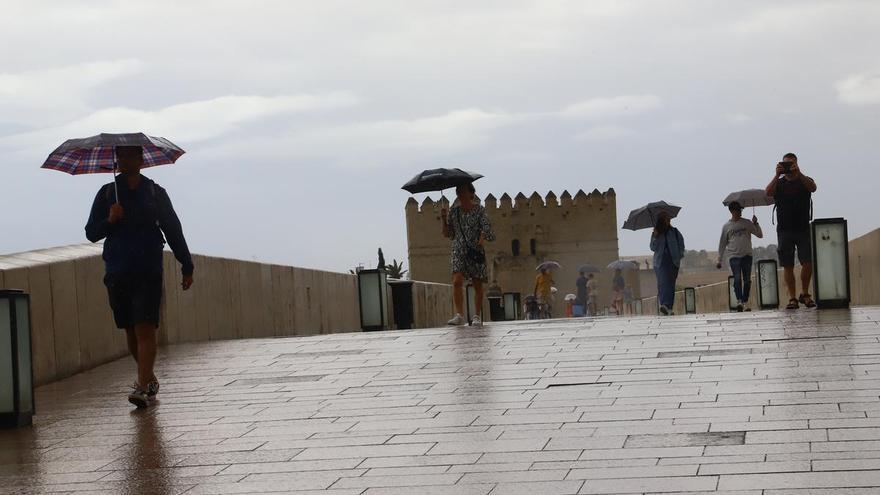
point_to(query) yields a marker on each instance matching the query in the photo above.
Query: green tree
(395, 270)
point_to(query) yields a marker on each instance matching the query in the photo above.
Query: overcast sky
(302, 119)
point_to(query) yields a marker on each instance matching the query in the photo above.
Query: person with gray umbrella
(667, 243)
(736, 246)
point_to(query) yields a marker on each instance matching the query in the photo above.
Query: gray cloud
(301, 119)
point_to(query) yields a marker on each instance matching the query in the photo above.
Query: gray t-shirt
(736, 238)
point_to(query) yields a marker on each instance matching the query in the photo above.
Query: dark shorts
(134, 298)
(789, 241)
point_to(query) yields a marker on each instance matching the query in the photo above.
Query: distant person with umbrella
(793, 191)
(543, 286)
(667, 243)
(468, 226)
(131, 214)
(618, 284)
(736, 246)
(592, 295)
(581, 285)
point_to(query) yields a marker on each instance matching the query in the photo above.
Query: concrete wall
(73, 328)
(864, 273)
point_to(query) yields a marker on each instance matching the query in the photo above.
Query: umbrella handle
(115, 185)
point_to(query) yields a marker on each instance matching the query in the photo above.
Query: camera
(786, 167)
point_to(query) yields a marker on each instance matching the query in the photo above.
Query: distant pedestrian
(793, 191)
(736, 246)
(628, 299)
(132, 214)
(592, 295)
(667, 244)
(468, 226)
(617, 286)
(581, 284)
(543, 291)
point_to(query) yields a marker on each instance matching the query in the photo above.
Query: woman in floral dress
(468, 226)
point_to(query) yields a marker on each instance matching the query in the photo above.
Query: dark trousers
(742, 277)
(667, 273)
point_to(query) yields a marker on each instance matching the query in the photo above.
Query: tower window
(533, 246)
(514, 247)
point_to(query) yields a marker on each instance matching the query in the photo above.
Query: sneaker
(477, 321)
(664, 310)
(153, 388)
(747, 308)
(739, 307)
(457, 320)
(139, 397)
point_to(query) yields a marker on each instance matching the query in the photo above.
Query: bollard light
(690, 300)
(512, 305)
(768, 284)
(16, 370)
(373, 297)
(731, 294)
(830, 263)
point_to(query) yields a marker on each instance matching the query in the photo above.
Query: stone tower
(529, 230)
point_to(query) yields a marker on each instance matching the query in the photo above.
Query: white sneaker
(457, 320)
(476, 321)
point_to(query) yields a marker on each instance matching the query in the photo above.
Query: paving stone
(770, 403)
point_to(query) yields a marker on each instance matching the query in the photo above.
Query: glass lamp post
(768, 284)
(16, 371)
(690, 300)
(831, 283)
(373, 296)
(511, 306)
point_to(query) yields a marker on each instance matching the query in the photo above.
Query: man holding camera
(792, 191)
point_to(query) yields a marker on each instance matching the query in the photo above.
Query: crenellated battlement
(534, 201)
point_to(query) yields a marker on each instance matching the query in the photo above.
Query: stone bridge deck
(749, 404)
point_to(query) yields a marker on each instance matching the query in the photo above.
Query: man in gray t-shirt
(736, 245)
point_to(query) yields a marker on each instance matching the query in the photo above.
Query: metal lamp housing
(16, 366)
(373, 297)
(831, 283)
(767, 275)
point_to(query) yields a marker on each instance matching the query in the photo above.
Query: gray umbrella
(646, 216)
(547, 265)
(749, 198)
(588, 268)
(623, 265)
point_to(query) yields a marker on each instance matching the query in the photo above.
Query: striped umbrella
(97, 154)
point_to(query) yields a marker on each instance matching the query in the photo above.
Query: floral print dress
(465, 228)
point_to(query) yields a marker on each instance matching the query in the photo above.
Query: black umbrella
(646, 216)
(438, 179)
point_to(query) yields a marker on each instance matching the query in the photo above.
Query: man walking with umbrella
(736, 245)
(132, 214)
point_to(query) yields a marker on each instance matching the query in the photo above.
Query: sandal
(792, 304)
(807, 301)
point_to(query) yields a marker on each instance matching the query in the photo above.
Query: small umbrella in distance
(547, 265)
(588, 268)
(623, 265)
(646, 216)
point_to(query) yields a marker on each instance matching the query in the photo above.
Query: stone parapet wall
(73, 327)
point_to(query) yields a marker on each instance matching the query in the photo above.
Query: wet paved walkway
(760, 404)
